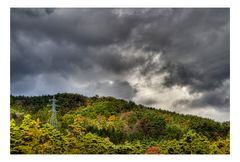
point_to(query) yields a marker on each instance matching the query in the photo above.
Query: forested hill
(106, 125)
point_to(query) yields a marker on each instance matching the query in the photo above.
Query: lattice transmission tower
(53, 120)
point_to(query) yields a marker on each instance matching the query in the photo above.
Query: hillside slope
(106, 125)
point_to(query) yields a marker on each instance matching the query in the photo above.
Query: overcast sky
(173, 59)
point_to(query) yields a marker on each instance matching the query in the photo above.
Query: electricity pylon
(53, 120)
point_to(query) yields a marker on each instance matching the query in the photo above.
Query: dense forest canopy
(106, 125)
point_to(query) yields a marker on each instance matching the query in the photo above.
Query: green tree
(220, 146)
(129, 148)
(153, 125)
(33, 138)
(190, 143)
(173, 132)
(91, 144)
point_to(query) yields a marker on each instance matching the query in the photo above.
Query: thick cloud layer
(175, 59)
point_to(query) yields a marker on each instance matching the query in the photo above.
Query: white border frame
(5, 75)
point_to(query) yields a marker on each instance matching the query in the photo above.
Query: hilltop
(106, 125)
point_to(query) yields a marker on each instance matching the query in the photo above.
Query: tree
(129, 148)
(33, 138)
(173, 132)
(190, 143)
(220, 146)
(105, 125)
(153, 150)
(152, 125)
(91, 144)
(207, 127)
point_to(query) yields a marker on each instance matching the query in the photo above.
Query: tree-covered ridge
(105, 125)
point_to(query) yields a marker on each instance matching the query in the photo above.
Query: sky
(170, 58)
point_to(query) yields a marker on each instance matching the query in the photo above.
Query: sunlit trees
(91, 144)
(220, 146)
(105, 125)
(129, 148)
(190, 143)
(33, 138)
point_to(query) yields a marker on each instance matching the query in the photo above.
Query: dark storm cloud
(32, 12)
(181, 74)
(190, 47)
(207, 100)
(81, 27)
(112, 60)
(212, 100)
(219, 98)
(33, 58)
(195, 44)
(121, 89)
(198, 78)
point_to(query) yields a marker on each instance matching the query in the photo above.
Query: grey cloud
(212, 100)
(112, 59)
(95, 45)
(180, 74)
(121, 89)
(149, 101)
(197, 77)
(79, 26)
(45, 56)
(196, 41)
(218, 98)
(32, 12)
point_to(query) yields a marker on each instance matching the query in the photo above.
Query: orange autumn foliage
(153, 150)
